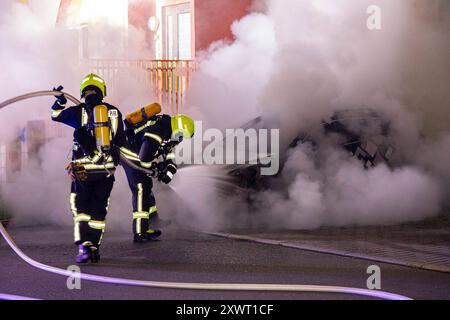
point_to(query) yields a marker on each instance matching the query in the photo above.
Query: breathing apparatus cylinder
(102, 128)
(143, 114)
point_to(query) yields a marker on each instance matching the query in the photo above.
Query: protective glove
(61, 100)
(169, 172)
(76, 172)
(167, 177)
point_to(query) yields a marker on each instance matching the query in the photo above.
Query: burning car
(363, 133)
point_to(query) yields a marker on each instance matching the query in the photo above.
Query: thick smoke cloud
(233, 75)
(316, 57)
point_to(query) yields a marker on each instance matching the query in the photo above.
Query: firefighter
(151, 140)
(98, 135)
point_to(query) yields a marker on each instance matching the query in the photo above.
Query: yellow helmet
(95, 81)
(182, 126)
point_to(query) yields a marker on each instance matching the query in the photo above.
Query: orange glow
(74, 13)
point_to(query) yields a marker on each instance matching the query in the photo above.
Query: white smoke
(302, 60)
(233, 76)
(341, 193)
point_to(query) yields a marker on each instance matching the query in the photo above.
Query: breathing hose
(175, 285)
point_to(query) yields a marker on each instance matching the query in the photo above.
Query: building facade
(174, 29)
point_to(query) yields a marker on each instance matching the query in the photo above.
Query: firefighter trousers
(143, 199)
(89, 202)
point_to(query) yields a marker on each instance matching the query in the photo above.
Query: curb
(287, 244)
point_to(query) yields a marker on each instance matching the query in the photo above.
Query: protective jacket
(85, 151)
(150, 143)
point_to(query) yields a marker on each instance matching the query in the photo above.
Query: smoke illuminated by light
(114, 13)
(326, 6)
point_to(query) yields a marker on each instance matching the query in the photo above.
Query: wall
(213, 19)
(139, 12)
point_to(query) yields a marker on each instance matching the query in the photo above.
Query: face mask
(93, 100)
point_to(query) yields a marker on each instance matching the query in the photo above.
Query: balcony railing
(167, 79)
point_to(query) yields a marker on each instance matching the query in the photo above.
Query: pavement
(186, 256)
(424, 244)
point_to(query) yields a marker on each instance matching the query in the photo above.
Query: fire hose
(177, 285)
(38, 94)
(200, 286)
(75, 101)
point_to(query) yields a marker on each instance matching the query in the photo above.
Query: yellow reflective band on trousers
(82, 217)
(99, 225)
(144, 214)
(154, 137)
(140, 195)
(139, 206)
(140, 215)
(73, 204)
(77, 219)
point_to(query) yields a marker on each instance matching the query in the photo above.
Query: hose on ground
(4, 296)
(201, 286)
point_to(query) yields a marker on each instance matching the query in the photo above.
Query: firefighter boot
(148, 235)
(88, 252)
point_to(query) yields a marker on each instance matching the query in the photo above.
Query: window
(177, 32)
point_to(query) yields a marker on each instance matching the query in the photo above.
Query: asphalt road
(185, 256)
